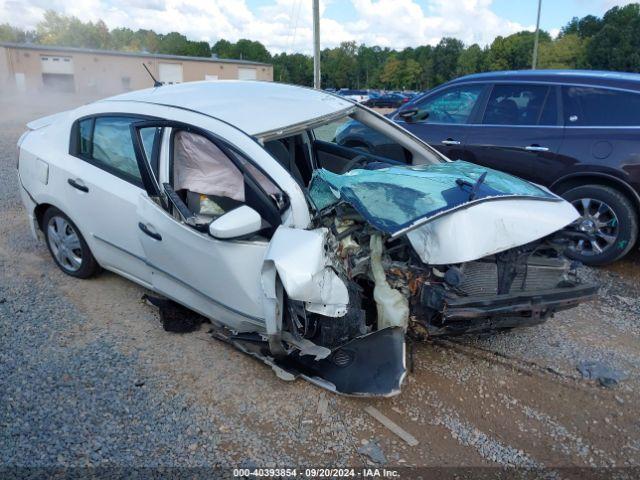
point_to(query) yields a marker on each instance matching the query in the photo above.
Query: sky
(285, 25)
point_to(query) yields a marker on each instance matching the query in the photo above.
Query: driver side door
(220, 279)
(444, 118)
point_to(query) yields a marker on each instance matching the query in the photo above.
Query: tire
(608, 218)
(67, 246)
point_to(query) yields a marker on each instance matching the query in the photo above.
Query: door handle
(78, 184)
(148, 231)
(536, 148)
(450, 141)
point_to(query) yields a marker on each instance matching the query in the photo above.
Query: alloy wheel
(64, 243)
(599, 224)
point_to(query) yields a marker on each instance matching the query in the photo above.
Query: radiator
(481, 278)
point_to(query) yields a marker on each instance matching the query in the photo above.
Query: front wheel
(607, 227)
(67, 245)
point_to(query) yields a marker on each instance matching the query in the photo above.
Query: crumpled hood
(396, 198)
(452, 212)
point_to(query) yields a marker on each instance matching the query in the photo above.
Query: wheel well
(606, 181)
(39, 212)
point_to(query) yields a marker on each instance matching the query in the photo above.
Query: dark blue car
(575, 132)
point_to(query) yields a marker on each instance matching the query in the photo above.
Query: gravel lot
(89, 378)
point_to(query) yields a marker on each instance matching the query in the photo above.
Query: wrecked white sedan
(231, 199)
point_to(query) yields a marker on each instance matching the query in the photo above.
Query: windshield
(357, 138)
(393, 198)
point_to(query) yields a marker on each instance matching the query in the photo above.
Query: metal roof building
(30, 68)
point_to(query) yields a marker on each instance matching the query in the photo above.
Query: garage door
(57, 73)
(247, 74)
(170, 72)
(56, 65)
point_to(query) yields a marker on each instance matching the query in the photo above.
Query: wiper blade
(474, 186)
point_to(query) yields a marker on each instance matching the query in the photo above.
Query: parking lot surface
(89, 377)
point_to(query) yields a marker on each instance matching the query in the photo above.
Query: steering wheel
(357, 161)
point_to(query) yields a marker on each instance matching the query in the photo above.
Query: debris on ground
(391, 425)
(323, 405)
(174, 317)
(606, 375)
(372, 450)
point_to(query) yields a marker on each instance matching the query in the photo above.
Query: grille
(481, 278)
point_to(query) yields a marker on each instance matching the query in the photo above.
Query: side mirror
(238, 222)
(413, 115)
(408, 114)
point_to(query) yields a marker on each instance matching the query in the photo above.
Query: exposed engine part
(454, 277)
(298, 322)
(393, 307)
(331, 332)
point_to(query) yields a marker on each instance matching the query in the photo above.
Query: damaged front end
(434, 250)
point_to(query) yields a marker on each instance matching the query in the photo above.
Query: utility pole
(534, 64)
(316, 44)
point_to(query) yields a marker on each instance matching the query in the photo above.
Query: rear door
(519, 131)
(444, 117)
(602, 128)
(102, 185)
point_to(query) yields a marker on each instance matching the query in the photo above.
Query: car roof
(252, 106)
(624, 80)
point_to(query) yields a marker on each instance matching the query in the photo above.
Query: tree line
(610, 42)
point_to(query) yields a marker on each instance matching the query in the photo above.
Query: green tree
(252, 50)
(514, 52)
(584, 27)
(293, 68)
(9, 33)
(223, 48)
(616, 46)
(411, 71)
(568, 51)
(339, 65)
(391, 76)
(471, 60)
(57, 29)
(445, 59)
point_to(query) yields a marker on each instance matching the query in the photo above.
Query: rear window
(106, 142)
(588, 106)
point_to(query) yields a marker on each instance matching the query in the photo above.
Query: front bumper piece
(373, 365)
(493, 312)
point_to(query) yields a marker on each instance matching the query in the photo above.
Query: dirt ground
(510, 399)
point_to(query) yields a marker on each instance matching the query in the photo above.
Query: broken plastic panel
(394, 198)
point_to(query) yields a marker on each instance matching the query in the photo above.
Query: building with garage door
(34, 68)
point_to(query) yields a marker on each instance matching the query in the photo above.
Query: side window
(106, 142)
(113, 146)
(208, 181)
(452, 106)
(515, 104)
(588, 106)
